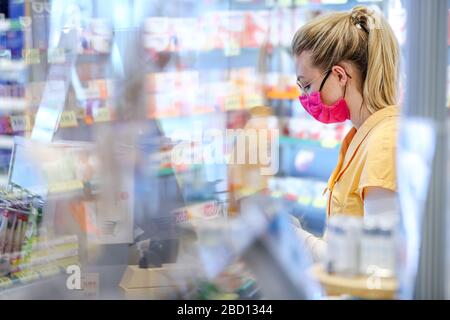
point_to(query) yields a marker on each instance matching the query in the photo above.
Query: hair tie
(360, 18)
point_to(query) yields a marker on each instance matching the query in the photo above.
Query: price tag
(31, 56)
(20, 123)
(181, 216)
(277, 194)
(102, 115)
(65, 186)
(211, 210)
(90, 285)
(208, 210)
(329, 143)
(232, 48)
(68, 119)
(319, 202)
(304, 200)
(232, 102)
(253, 100)
(5, 282)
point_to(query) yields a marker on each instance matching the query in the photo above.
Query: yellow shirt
(367, 158)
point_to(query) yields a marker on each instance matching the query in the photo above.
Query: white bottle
(343, 242)
(378, 246)
(368, 247)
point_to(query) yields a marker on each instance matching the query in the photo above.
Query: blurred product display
(158, 150)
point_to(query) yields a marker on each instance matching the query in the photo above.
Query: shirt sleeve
(379, 168)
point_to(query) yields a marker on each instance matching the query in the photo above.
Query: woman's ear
(341, 74)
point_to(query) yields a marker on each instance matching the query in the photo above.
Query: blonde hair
(362, 37)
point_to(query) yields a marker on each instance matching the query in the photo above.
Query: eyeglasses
(305, 89)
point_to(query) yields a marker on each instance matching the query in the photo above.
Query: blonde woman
(347, 69)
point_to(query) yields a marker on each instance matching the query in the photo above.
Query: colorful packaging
(256, 29)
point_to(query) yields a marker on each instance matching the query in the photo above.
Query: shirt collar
(355, 137)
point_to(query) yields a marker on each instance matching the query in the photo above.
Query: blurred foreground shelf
(384, 288)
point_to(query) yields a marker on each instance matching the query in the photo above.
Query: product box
(206, 101)
(160, 82)
(158, 43)
(101, 35)
(156, 33)
(202, 211)
(217, 95)
(281, 86)
(186, 32)
(163, 105)
(231, 28)
(256, 29)
(173, 93)
(210, 28)
(171, 82)
(96, 38)
(157, 25)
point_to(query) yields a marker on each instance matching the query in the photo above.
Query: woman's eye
(307, 87)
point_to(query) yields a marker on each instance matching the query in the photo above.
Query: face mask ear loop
(324, 80)
(345, 88)
(345, 91)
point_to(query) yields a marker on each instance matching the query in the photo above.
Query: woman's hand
(316, 246)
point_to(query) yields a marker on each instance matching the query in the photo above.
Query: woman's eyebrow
(300, 77)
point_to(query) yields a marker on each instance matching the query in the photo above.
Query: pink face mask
(338, 112)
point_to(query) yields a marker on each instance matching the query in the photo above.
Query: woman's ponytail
(380, 87)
